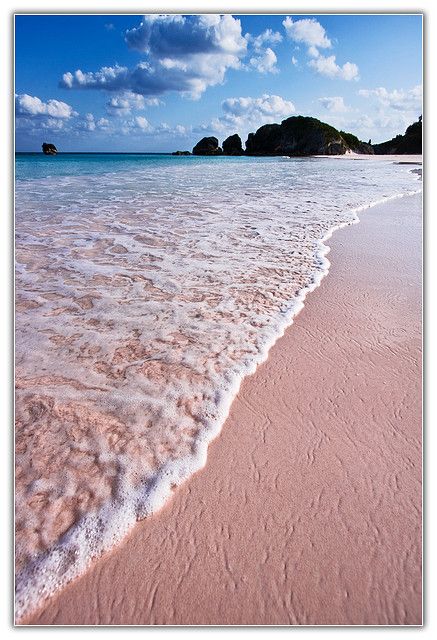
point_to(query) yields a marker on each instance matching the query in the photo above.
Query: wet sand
(309, 508)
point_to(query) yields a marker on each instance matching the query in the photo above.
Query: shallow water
(146, 288)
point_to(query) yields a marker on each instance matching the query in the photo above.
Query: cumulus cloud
(311, 33)
(140, 126)
(126, 102)
(142, 123)
(269, 107)
(380, 126)
(294, 61)
(307, 31)
(186, 54)
(244, 114)
(313, 52)
(265, 62)
(266, 37)
(26, 105)
(327, 66)
(334, 104)
(387, 114)
(177, 36)
(89, 123)
(398, 99)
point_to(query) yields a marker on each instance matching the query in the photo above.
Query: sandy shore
(309, 508)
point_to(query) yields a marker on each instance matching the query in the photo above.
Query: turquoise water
(36, 165)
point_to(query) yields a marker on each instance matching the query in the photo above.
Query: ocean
(147, 288)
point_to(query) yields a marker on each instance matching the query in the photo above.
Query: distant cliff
(410, 142)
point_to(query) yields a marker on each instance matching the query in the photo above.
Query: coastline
(229, 558)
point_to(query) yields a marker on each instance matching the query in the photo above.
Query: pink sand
(309, 508)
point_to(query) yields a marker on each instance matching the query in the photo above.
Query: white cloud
(382, 118)
(89, 123)
(103, 123)
(265, 62)
(141, 126)
(270, 107)
(142, 123)
(334, 104)
(398, 99)
(380, 126)
(327, 66)
(26, 105)
(294, 61)
(126, 102)
(313, 52)
(311, 33)
(243, 114)
(186, 54)
(266, 37)
(307, 31)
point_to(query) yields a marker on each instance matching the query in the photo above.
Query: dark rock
(266, 141)
(410, 142)
(296, 136)
(49, 149)
(181, 153)
(232, 146)
(207, 147)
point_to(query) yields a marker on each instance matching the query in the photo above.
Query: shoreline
(82, 592)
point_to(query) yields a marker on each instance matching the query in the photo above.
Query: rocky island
(49, 149)
(208, 146)
(232, 146)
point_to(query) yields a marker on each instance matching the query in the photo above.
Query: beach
(308, 510)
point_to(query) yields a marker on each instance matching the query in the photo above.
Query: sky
(161, 82)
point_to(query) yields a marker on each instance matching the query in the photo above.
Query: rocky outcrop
(49, 149)
(207, 147)
(232, 146)
(305, 136)
(296, 136)
(356, 145)
(410, 142)
(181, 153)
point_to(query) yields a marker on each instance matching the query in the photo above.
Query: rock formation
(232, 146)
(410, 142)
(296, 136)
(207, 147)
(181, 153)
(304, 136)
(49, 149)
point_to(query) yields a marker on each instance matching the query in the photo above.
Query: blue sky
(160, 83)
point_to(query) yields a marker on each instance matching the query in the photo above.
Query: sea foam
(143, 299)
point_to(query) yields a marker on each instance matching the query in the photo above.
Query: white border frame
(8, 9)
